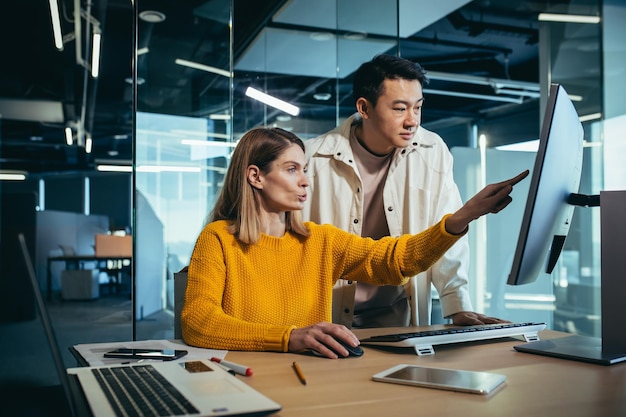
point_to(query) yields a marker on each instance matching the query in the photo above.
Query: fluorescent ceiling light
(322, 36)
(143, 51)
(592, 116)
(178, 132)
(472, 79)
(482, 141)
(322, 96)
(56, 24)
(517, 100)
(533, 146)
(355, 36)
(152, 16)
(140, 80)
(146, 168)
(114, 168)
(518, 89)
(521, 93)
(272, 101)
(194, 142)
(95, 54)
(587, 144)
(529, 146)
(69, 139)
(219, 116)
(164, 168)
(202, 67)
(568, 18)
(88, 143)
(220, 170)
(12, 175)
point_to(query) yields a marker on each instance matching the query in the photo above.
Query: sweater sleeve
(204, 322)
(392, 261)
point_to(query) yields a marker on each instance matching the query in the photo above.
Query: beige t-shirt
(376, 306)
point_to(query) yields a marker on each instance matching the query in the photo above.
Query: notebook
(197, 387)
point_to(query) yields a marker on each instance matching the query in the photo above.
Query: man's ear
(253, 174)
(362, 106)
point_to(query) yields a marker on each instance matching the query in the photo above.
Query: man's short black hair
(369, 77)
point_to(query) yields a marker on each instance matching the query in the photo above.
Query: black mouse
(352, 351)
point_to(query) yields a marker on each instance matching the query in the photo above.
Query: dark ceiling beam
(436, 41)
(475, 28)
(257, 15)
(416, 39)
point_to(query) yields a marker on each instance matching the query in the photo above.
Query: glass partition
(304, 53)
(576, 280)
(182, 143)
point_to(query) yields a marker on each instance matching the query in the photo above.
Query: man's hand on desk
(469, 318)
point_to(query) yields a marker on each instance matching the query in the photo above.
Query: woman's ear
(362, 106)
(253, 173)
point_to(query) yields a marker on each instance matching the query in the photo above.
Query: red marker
(240, 369)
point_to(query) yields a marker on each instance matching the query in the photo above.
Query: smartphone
(449, 379)
(161, 354)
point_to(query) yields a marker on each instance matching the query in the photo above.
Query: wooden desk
(536, 385)
(77, 261)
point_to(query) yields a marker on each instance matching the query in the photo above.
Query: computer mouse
(352, 350)
(355, 351)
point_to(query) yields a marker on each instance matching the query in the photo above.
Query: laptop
(198, 387)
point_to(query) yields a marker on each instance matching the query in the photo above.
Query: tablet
(449, 379)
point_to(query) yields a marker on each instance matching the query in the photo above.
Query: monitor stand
(611, 348)
(577, 348)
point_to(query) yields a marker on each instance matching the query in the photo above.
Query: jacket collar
(337, 141)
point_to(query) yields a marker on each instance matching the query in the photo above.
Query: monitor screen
(556, 175)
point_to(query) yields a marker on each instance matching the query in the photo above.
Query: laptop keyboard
(141, 390)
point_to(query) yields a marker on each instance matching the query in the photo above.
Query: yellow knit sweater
(250, 297)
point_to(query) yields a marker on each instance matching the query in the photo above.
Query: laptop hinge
(423, 350)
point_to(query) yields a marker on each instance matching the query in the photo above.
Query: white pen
(227, 369)
(240, 369)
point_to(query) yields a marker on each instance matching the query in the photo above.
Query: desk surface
(536, 385)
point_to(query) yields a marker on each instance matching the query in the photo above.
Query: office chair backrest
(180, 286)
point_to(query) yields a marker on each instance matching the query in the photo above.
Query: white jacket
(418, 191)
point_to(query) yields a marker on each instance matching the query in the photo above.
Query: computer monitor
(552, 198)
(556, 176)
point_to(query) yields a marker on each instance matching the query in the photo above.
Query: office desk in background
(78, 262)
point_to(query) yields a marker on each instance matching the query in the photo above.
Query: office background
(150, 136)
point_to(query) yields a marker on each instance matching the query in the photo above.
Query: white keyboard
(423, 341)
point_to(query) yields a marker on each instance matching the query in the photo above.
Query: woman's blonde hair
(237, 202)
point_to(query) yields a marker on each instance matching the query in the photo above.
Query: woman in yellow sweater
(261, 279)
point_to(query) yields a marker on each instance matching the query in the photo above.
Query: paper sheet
(94, 353)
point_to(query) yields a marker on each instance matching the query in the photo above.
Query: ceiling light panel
(568, 18)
